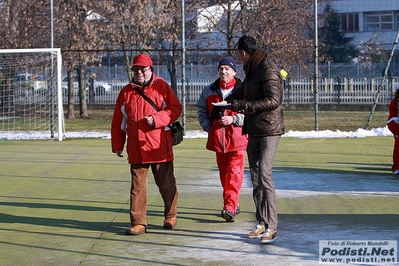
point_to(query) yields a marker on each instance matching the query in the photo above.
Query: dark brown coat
(263, 92)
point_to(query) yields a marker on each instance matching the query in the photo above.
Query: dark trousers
(261, 152)
(166, 182)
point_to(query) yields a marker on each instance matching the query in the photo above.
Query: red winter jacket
(393, 112)
(145, 144)
(220, 138)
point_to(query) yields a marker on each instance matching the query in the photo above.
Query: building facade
(371, 20)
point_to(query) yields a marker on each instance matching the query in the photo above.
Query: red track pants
(395, 156)
(231, 172)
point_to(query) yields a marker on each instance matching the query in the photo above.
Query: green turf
(66, 203)
(344, 154)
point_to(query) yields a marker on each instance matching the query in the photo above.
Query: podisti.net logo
(358, 251)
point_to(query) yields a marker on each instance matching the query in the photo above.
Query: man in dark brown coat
(260, 98)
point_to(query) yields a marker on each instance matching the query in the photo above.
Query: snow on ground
(360, 133)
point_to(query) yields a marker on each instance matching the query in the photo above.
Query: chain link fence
(346, 93)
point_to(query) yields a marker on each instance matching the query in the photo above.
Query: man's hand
(226, 120)
(236, 105)
(118, 153)
(150, 120)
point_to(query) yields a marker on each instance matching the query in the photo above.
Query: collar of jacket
(216, 85)
(146, 83)
(255, 60)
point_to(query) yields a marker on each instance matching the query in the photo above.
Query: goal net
(30, 94)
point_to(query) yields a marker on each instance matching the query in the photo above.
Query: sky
(359, 133)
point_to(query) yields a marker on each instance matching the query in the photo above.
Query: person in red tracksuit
(225, 137)
(393, 126)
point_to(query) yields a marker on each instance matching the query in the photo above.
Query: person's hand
(236, 105)
(150, 120)
(118, 153)
(226, 120)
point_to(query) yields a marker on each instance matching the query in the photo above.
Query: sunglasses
(141, 69)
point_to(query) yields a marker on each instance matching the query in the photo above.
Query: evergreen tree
(334, 45)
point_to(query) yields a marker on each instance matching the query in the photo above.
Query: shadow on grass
(293, 241)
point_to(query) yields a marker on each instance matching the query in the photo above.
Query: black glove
(236, 105)
(217, 113)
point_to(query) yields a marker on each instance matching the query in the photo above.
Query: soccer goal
(30, 94)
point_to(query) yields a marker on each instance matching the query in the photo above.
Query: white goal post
(30, 94)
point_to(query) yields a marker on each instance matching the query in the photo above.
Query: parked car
(100, 87)
(28, 84)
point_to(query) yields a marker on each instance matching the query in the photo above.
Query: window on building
(379, 21)
(350, 22)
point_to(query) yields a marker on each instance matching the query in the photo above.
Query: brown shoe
(136, 229)
(169, 223)
(257, 232)
(268, 236)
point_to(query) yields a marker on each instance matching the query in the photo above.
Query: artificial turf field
(66, 203)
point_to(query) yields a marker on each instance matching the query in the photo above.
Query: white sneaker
(257, 232)
(396, 172)
(269, 236)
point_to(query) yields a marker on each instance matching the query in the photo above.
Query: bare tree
(145, 26)
(25, 24)
(129, 27)
(133, 26)
(227, 18)
(169, 40)
(371, 51)
(75, 34)
(283, 27)
(278, 25)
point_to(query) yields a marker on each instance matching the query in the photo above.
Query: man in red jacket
(149, 141)
(224, 135)
(393, 126)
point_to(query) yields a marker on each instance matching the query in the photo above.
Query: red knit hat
(142, 60)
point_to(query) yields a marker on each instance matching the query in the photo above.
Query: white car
(100, 87)
(28, 84)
